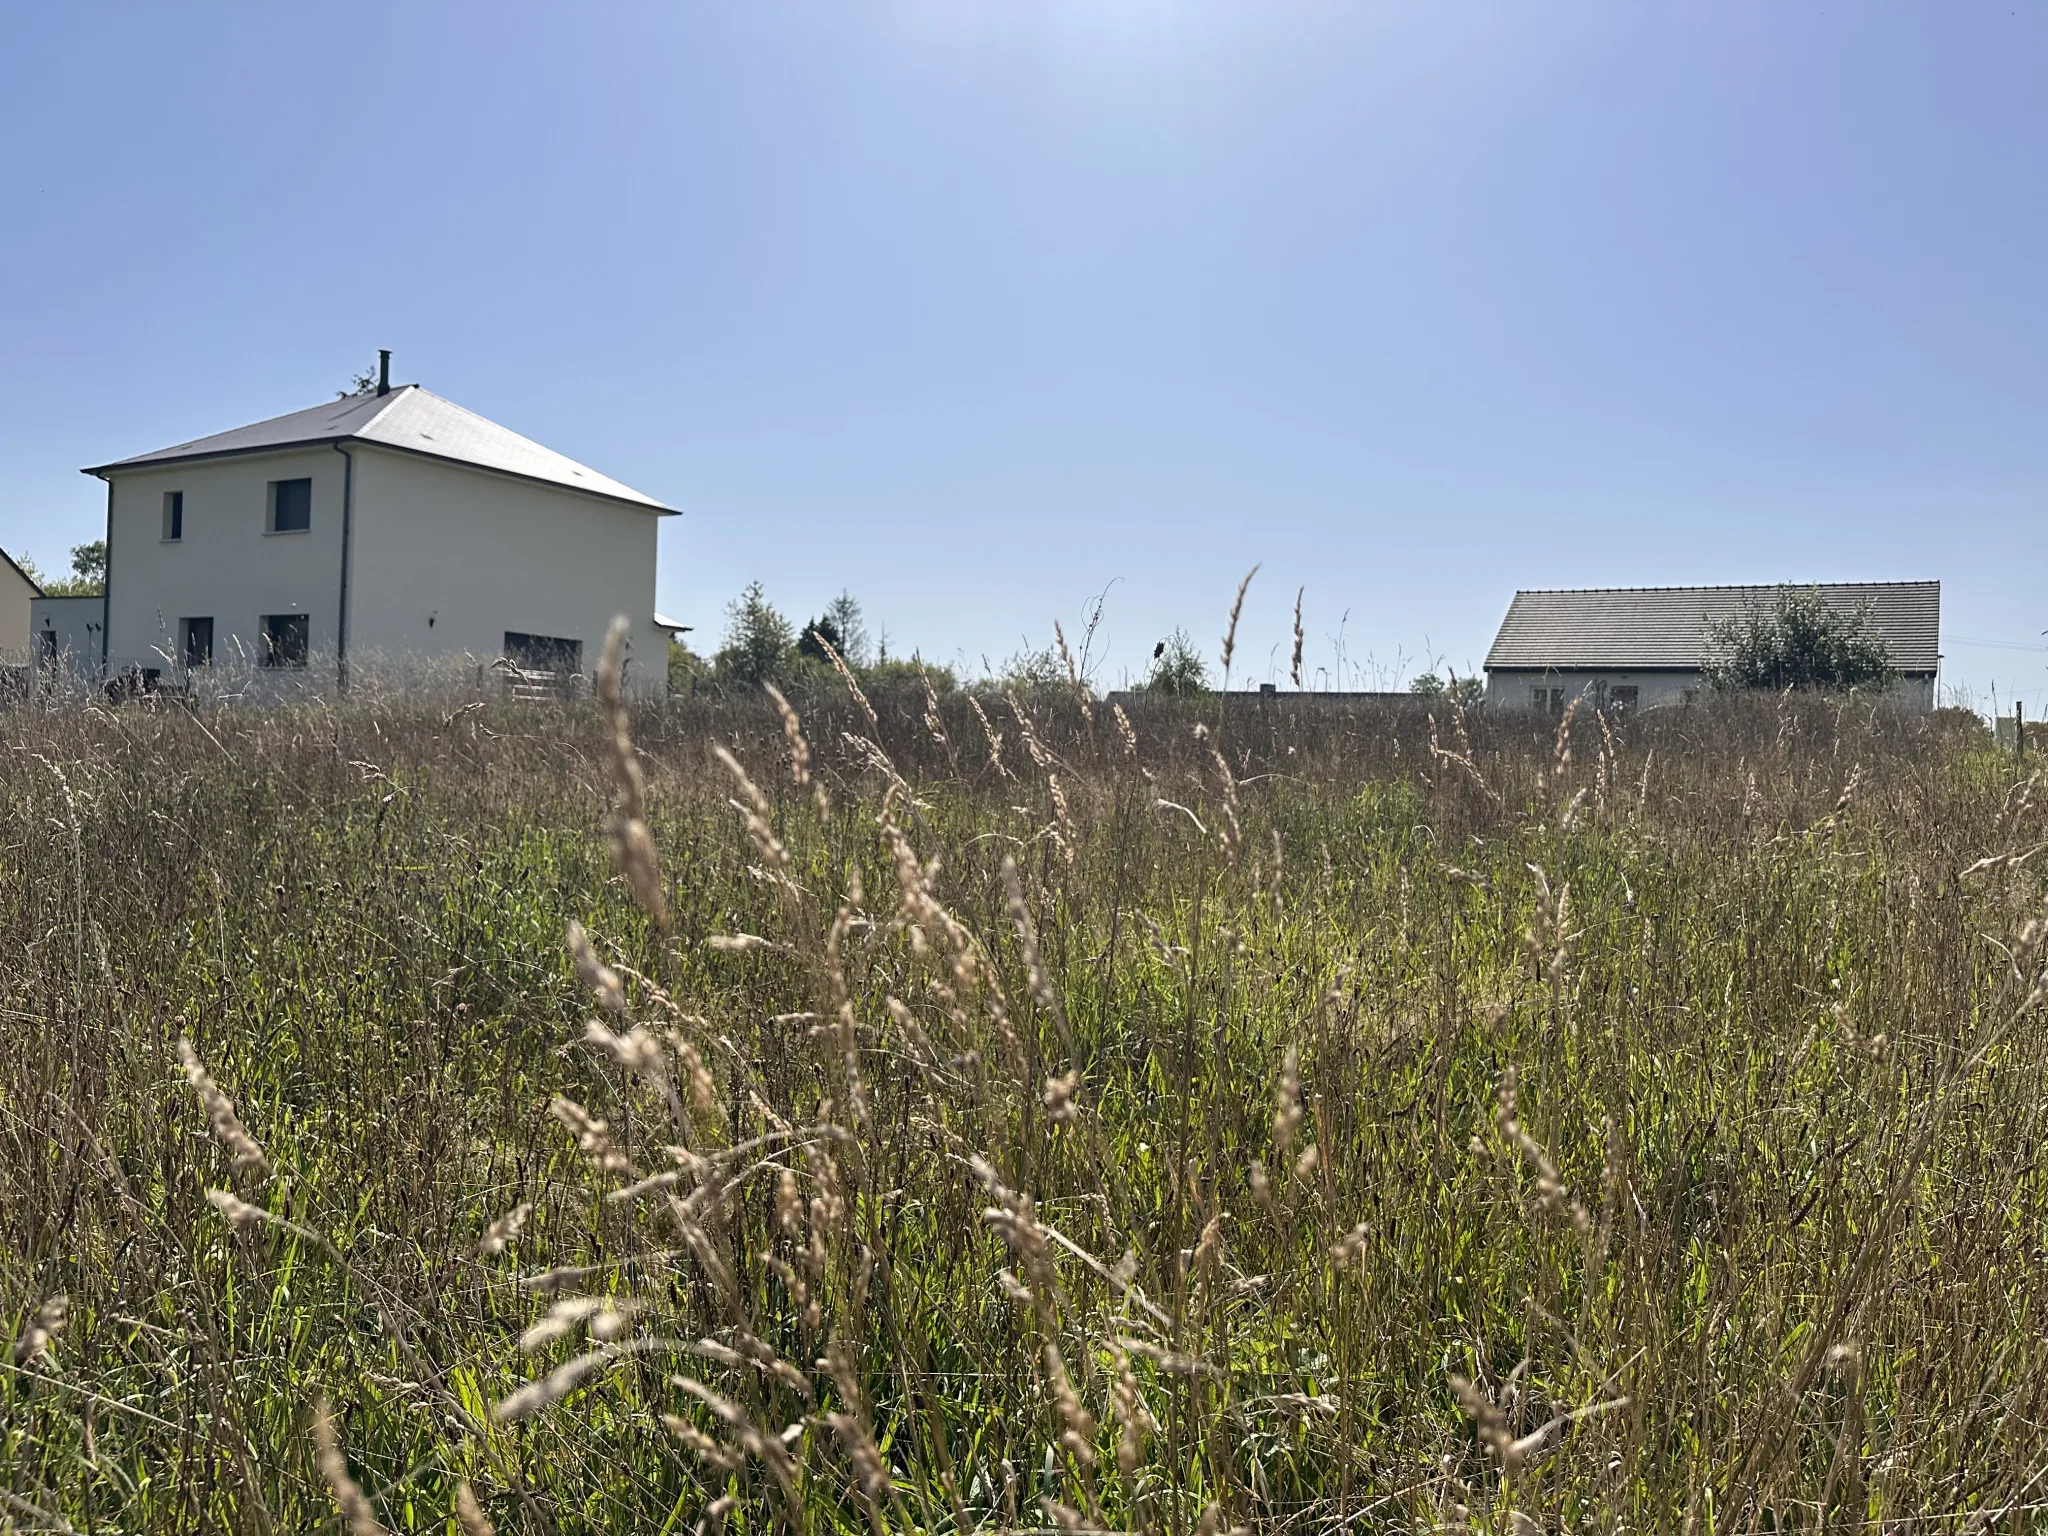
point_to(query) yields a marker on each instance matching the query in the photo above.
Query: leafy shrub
(1800, 640)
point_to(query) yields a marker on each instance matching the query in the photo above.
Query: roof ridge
(1726, 586)
(390, 399)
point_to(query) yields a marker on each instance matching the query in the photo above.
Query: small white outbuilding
(373, 533)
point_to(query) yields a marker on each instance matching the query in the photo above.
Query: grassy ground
(1319, 1121)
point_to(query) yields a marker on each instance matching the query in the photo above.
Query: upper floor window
(291, 506)
(174, 516)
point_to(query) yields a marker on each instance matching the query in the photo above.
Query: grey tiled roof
(410, 418)
(1666, 627)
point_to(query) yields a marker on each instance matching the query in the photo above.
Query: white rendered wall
(72, 659)
(226, 567)
(1512, 690)
(446, 560)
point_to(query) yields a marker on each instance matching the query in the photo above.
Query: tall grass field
(872, 1113)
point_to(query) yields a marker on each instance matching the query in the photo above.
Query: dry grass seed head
(596, 975)
(469, 1514)
(551, 1388)
(593, 1136)
(502, 1232)
(353, 1502)
(245, 1156)
(46, 1326)
(1236, 610)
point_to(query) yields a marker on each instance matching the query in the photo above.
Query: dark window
(291, 506)
(174, 515)
(543, 653)
(1622, 700)
(284, 639)
(1548, 700)
(49, 647)
(196, 640)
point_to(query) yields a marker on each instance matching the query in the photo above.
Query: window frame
(272, 497)
(187, 629)
(174, 517)
(278, 657)
(544, 653)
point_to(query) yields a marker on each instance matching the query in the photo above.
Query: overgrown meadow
(1016, 1113)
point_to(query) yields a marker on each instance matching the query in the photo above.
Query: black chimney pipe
(383, 370)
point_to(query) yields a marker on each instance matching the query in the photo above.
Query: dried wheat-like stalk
(353, 1502)
(1080, 689)
(551, 1388)
(632, 843)
(469, 1514)
(502, 1232)
(1495, 1434)
(246, 1156)
(45, 1327)
(1124, 732)
(593, 1136)
(1294, 667)
(1552, 1193)
(1287, 1102)
(596, 975)
(995, 738)
(1230, 635)
(852, 686)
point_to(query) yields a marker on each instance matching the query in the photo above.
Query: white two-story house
(368, 536)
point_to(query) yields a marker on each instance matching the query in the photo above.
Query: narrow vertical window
(174, 516)
(197, 641)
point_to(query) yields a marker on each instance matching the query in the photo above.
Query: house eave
(131, 467)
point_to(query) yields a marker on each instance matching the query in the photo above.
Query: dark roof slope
(1666, 627)
(409, 418)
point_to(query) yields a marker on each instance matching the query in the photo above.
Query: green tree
(1798, 640)
(1465, 692)
(845, 616)
(1177, 667)
(685, 668)
(818, 634)
(88, 576)
(758, 640)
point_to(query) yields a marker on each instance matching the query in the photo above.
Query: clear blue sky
(976, 308)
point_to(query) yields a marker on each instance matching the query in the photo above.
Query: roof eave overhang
(1630, 666)
(131, 466)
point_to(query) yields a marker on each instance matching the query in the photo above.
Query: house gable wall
(446, 560)
(225, 567)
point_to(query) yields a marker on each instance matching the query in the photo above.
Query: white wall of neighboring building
(64, 641)
(447, 559)
(226, 567)
(444, 561)
(1515, 689)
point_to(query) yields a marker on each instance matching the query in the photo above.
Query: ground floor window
(285, 639)
(543, 653)
(195, 640)
(1622, 698)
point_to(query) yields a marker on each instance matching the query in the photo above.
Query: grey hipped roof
(410, 419)
(1665, 628)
